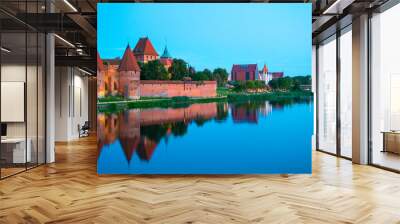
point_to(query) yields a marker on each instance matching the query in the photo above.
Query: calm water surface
(254, 137)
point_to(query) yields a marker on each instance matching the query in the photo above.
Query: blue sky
(213, 35)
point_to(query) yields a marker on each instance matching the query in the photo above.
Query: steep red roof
(144, 46)
(245, 68)
(129, 145)
(128, 62)
(146, 149)
(265, 69)
(100, 65)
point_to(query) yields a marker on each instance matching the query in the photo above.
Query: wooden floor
(69, 191)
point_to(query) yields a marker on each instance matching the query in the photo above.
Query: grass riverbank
(223, 95)
(174, 102)
(270, 95)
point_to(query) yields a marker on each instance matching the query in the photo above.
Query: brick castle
(121, 77)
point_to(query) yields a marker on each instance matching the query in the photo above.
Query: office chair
(84, 130)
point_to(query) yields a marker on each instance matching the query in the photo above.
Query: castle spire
(265, 69)
(128, 62)
(166, 53)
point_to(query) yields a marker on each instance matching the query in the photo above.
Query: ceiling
(75, 22)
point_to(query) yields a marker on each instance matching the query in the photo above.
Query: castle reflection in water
(141, 130)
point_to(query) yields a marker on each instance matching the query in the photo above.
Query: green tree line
(179, 70)
(239, 86)
(289, 83)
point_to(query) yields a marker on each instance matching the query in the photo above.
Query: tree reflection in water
(141, 130)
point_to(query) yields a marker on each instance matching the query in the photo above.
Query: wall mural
(204, 88)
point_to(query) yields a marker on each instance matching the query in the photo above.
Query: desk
(15, 148)
(391, 141)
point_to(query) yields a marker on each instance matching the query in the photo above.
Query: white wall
(33, 127)
(80, 110)
(71, 102)
(62, 82)
(12, 73)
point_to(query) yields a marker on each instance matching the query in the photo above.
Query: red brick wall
(241, 76)
(112, 80)
(160, 115)
(101, 92)
(178, 88)
(129, 84)
(126, 126)
(145, 58)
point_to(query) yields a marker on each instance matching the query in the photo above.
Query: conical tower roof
(166, 53)
(128, 62)
(100, 65)
(265, 69)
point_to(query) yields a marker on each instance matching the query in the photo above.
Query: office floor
(70, 191)
(387, 159)
(10, 171)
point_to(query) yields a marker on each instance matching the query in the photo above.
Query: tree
(154, 132)
(153, 70)
(179, 129)
(250, 84)
(222, 112)
(285, 83)
(274, 84)
(192, 70)
(179, 69)
(302, 80)
(220, 75)
(296, 86)
(290, 83)
(199, 76)
(204, 75)
(239, 86)
(260, 84)
(200, 121)
(208, 73)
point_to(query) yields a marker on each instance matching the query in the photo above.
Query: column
(360, 90)
(50, 92)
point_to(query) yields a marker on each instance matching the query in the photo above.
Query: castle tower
(129, 132)
(265, 74)
(129, 76)
(166, 59)
(144, 50)
(101, 92)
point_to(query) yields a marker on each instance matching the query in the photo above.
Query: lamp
(5, 50)
(70, 5)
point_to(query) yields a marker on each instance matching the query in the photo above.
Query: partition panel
(22, 76)
(14, 153)
(346, 93)
(385, 89)
(327, 95)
